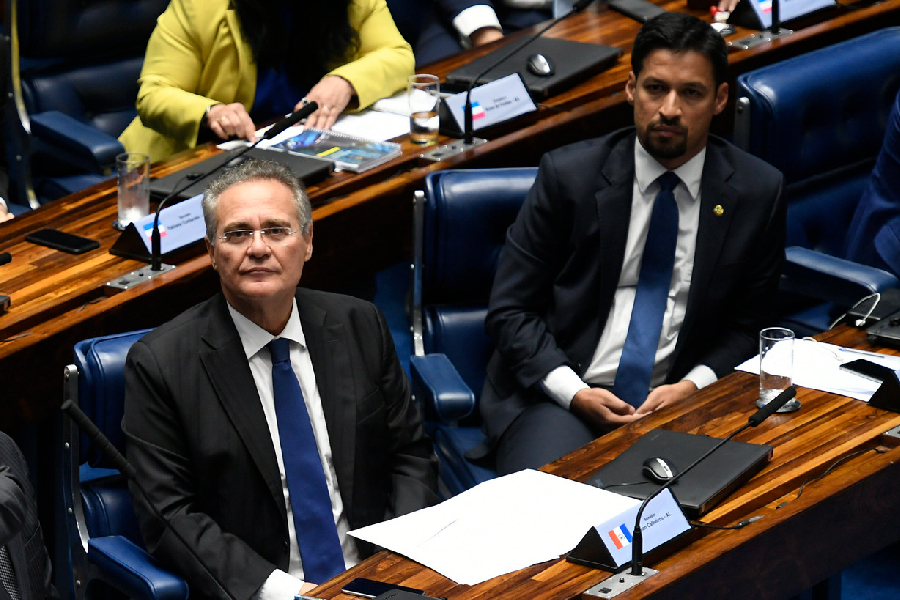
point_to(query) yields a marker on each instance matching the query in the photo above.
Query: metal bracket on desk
(450, 150)
(616, 584)
(759, 38)
(128, 281)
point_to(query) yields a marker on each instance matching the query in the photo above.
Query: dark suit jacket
(197, 436)
(560, 267)
(20, 530)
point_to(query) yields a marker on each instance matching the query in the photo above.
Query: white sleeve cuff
(701, 376)
(561, 384)
(3, 204)
(279, 586)
(474, 18)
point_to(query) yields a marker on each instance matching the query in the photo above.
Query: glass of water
(424, 98)
(776, 364)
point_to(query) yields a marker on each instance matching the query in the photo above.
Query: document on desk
(816, 366)
(499, 526)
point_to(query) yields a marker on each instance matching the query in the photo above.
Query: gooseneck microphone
(121, 463)
(278, 127)
(637, 553)
(468, 133)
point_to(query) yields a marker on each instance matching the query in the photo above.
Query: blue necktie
(320, 548)
(632, 382)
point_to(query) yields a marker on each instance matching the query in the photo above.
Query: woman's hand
(332, 94)
(231, 120)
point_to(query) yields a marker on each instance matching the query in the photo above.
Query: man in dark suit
(203, 410)
(561, 313)
(27, 564)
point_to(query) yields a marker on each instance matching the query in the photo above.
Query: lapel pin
(719, 210)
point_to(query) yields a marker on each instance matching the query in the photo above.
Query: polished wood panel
(362, 222)
(840, 517)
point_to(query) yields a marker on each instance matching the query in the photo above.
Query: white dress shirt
(281, 585)
(563, 383)
(476, 17)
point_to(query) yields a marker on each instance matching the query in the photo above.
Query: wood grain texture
(362, 222)
(838, 519)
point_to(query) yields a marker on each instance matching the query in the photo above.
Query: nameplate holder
(609, 544)
(180, 226)
(492, 103)
(887, 396)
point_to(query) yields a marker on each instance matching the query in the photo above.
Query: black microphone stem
(468, 133)
(637, 537)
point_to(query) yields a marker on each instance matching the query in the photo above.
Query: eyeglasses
(269, 235)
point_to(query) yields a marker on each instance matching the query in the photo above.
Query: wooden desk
(361, 222)
(838, 519)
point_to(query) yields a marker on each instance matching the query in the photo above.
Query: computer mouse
(539, 65)
(658, 469)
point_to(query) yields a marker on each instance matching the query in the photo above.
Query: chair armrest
(78, 143)
(440, 389)
(133, 571)
(827, 277)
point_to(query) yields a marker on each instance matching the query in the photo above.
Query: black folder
(702, 487)
(573, 62)
(309, 170)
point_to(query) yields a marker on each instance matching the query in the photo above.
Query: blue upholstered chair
(105, 543)
(460, 226)
(820, 118)
(74, 83)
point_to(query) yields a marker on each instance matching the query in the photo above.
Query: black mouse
(658, 469)
(539, 65)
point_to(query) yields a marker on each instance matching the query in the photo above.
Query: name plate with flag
(492, 103)
(609, 544)
(180, 226)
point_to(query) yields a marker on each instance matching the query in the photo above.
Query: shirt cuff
(701, 376)
(474, 18)
(3, 204)
(561, 384)
(279, 586)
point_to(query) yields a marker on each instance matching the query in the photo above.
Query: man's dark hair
(678, 32)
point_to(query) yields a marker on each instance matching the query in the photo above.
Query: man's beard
(665, 149)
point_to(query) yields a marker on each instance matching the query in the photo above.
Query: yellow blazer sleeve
(384, 59)
(195, 57)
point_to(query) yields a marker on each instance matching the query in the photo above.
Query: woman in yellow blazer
(200, 74)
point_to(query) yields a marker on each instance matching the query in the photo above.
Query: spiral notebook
(346, 152)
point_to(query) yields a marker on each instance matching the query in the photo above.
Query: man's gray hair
(253, 170)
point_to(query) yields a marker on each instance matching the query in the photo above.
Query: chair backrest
(820, 118)
(98, 496)
(460, 229)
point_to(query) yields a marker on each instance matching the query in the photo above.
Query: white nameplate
(492, 103)
(662, 521)
(179, 225)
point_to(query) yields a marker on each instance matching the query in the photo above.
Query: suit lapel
(718, 201)
(228, 371)
(334, 380)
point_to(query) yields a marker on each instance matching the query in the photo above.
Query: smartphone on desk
(369, 588)
(868, 369)
(60, 240)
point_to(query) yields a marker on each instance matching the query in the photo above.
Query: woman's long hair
(301, 37)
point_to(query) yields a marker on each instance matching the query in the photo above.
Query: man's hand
(727, 5)
(665, 395)
(332, 94)
(306, 587)
(485, 35)
(5, 215)
(231, 120)
(602, 409)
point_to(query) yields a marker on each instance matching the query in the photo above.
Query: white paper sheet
(816, 366)
(499, 526)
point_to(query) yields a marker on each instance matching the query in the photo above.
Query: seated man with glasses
(270, 420)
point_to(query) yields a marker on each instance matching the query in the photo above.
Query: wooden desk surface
(362, 222)
(838, 519)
